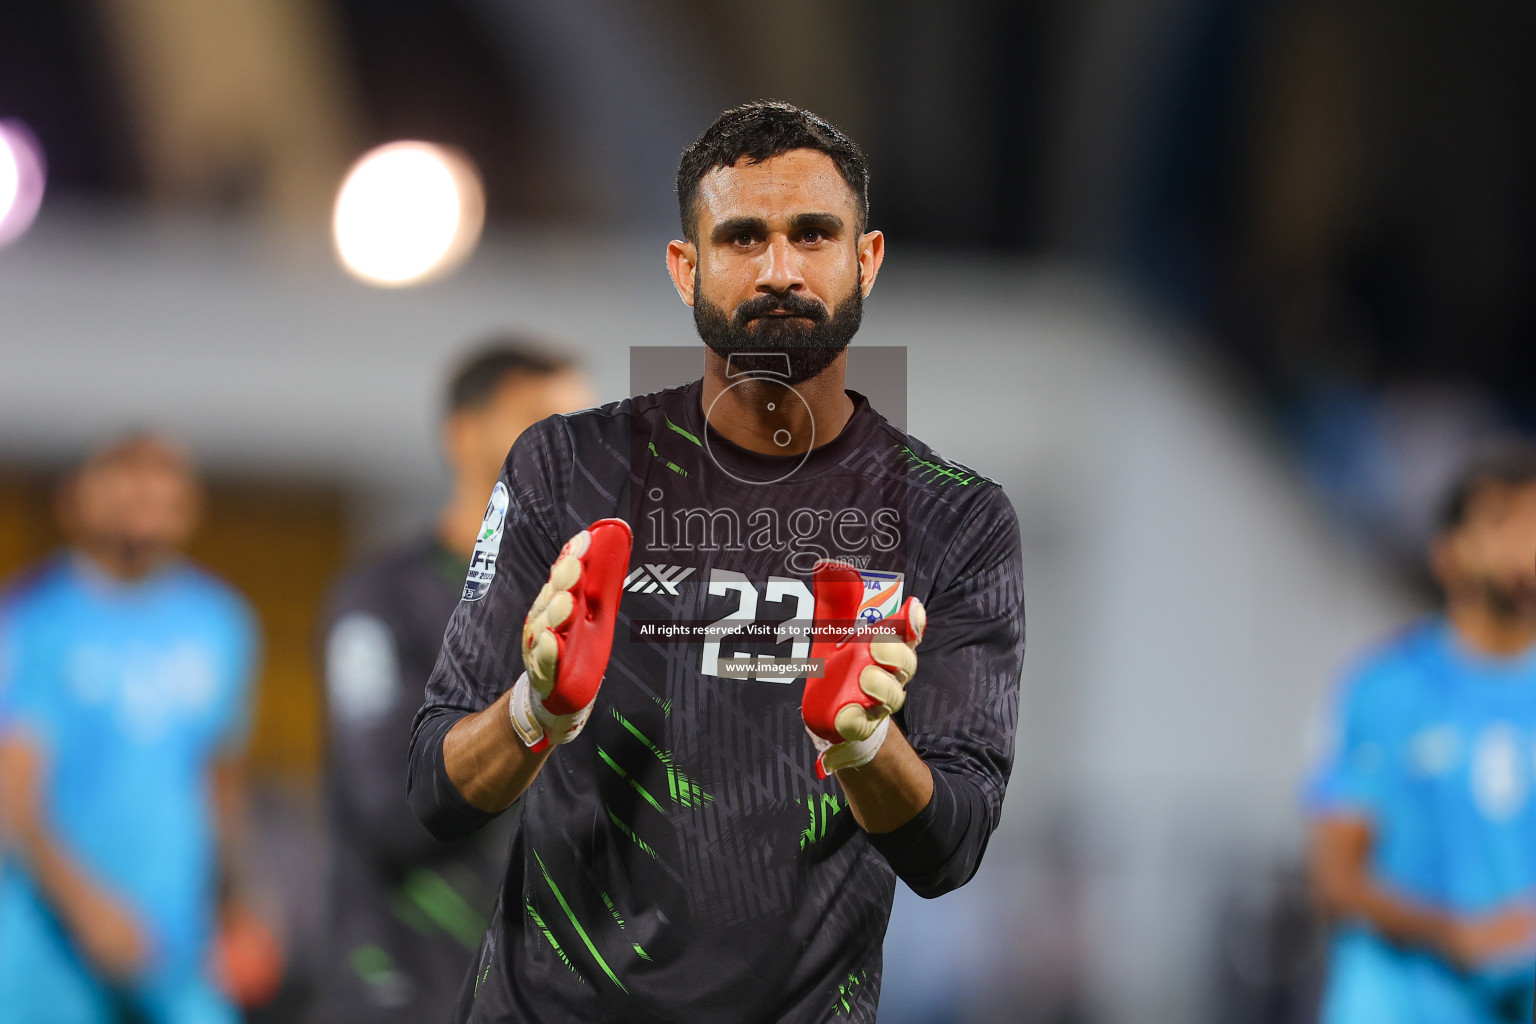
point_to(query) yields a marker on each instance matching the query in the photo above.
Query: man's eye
(812, 236)
(745, 239)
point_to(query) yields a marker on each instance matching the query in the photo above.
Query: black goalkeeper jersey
(680, 861)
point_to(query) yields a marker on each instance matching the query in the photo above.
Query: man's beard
(128, 556)
(1509, 601)
(810, 348)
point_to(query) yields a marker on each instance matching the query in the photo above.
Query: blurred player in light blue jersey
(1424, 808)
(124, 674)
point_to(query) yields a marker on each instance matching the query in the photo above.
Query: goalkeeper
(713, 816)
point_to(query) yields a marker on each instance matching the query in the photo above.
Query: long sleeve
(940, 849)
(480, 658)
(962, 706)
(435, 800)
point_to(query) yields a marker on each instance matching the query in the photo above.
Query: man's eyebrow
(830, 223)
(728, 229)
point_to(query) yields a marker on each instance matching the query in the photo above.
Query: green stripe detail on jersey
(611, 763)
(409, 914)
(446, 908)
(580, 931)
(848, 994)
(674, 467)
(483, 975)
(680, 787)
(553, 942)
(372, 963)
(644, 846)
(643, 954)
(937, 470)
(608, 902)
(680, 430)
(818, 831)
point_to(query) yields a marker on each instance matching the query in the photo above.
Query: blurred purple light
(22, 178)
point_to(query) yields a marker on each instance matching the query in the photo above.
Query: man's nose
(780, 271)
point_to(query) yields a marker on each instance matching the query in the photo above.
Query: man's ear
(682, 260)
(871, 256)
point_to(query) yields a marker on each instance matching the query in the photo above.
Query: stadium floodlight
(22, 177)
(408, 212)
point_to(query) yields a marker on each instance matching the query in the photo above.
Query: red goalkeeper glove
(568, 636)
(848, 708)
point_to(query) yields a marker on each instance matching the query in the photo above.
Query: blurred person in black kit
(407, 911)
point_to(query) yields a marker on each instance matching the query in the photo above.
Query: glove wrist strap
(537, 727)
(525, 719)
(835, 757)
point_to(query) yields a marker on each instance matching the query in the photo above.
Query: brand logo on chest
(652, 578)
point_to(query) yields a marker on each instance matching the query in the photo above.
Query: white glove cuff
(851, 753)
(535, 725)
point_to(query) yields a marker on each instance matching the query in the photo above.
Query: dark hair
(481, 374)
(760, 131)
(1508, 465)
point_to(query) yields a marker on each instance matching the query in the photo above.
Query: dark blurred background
(1229, 289)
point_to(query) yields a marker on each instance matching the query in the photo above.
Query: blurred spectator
(1424, 816)
(124, 678)
(408, 912)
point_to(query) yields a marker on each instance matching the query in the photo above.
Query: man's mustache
(789, 303)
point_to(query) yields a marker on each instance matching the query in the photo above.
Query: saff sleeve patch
(482, 564)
